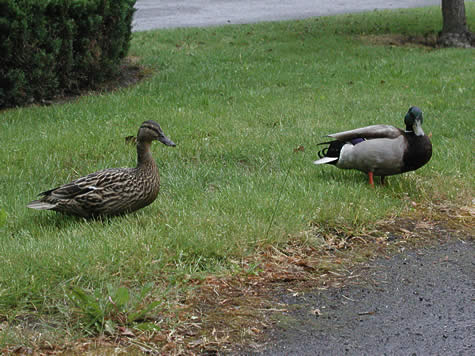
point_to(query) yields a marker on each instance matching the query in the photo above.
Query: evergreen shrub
(53, 47)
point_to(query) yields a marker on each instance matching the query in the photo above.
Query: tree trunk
(455, 32)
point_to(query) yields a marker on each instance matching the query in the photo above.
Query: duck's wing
(92, 182)
(75, 188)
(368, 132)
(49, 199)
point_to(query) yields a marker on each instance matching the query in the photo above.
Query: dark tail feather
(331, 153)
(322, 153)
(335, 148)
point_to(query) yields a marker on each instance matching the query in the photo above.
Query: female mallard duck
(380, 150)
(111, 191)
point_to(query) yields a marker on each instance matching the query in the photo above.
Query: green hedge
(53, 47)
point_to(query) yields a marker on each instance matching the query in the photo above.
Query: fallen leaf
(367, 313)
(131, 140)
(316, 312)
(126, 332)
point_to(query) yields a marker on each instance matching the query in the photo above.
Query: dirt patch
(130, 73)
(427, 41)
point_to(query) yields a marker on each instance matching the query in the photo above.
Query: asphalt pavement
(421, 302)
(153, 14)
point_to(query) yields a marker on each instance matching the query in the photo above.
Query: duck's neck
(144, 155)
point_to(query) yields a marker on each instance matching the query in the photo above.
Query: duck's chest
(418, 152)
(148, 183)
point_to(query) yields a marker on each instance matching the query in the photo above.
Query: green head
(413, 121)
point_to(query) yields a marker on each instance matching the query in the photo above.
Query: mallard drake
(112, 191)
(380, 150)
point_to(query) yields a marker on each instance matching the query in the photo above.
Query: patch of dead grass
(427, 41)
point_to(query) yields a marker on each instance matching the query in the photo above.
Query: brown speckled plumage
(111, 191)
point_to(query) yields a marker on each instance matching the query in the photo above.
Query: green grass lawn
(238, 101)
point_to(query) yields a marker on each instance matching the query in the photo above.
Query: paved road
(421, 302)
(153, 14)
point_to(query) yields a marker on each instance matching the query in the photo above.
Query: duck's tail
(40, 205)
(324, 160)
(330, 154)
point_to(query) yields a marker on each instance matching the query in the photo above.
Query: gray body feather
(382, 156)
